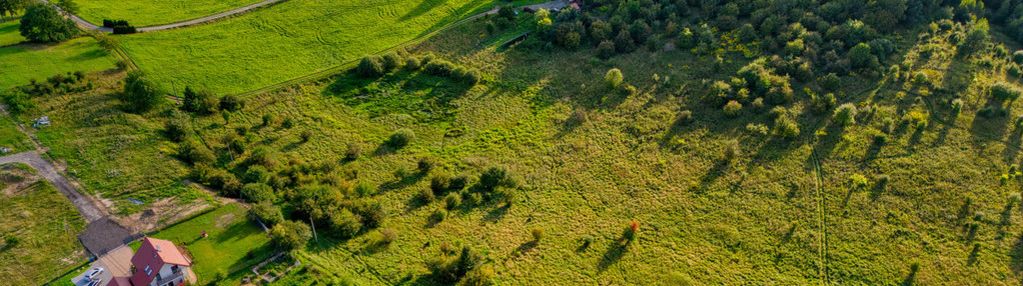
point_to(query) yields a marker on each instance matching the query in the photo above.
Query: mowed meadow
(287, 41)
(149, 13)
(22, 62)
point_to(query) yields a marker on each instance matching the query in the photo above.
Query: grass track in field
(286, 41)
(141, 13)
(47, 227)
(20, 63)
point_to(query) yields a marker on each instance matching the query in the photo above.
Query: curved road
(89, 208)
(240, 10)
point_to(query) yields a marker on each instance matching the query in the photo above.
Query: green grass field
(771, 215)
(11, 137)
(149, 13)
(115, 155)
(46, 227)
(9, 34)
(23, 62)
(234, 243)
(289, 40)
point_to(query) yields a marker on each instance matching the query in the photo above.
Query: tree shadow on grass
(911, 277)
(613, 254)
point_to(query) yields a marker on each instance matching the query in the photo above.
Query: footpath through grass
(234, 243)
(44, 227)
(142, 13)
(286, 41)
(20, 63)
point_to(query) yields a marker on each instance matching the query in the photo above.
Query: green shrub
(266, 212)
(426, 196)
(192, 152)
(176, 129)
(413, 64)
(830, 82)
(231, 103)
(1005, 92)
(452, 201)
(16, 101)
(1018, 57)
(290, 235)
(494, 177)
(371, 66)
(613, 78)
(353, 152)
(845, 114)
(400, 138)
(537, 234)
(632, 231)
(257, 174)
(140, 94)
(732, 108)
(785, 127)
(199, 102)
(345, 224)
(440, 184)
(606, 49)
(392, 61)
(258, 192)
(438, 216)
(458, 183)
(426, 164)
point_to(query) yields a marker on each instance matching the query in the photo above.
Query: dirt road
(89, 208)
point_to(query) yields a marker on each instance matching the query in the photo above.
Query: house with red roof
(156, 263)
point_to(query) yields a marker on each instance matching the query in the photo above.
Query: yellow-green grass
(765, 217)
(286, 41)
(46, 226)
(115, 155)
(9, 34)
(21, 63)
(11, 137)
(150, 13)
(234, 244)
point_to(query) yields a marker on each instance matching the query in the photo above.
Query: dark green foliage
(345, 224)
(16, 101)
(495, 177)
(606, 49)
(200, 102)
(140, 95)
(11, 7)
(290, 235)
(1005, 92)
(466, 267)
(438, 216)
(353, 152)
(266, 212)
(371, 66)
(426, 164)
(391, 61)
(258, 192)
(177, 129)
(830, 82)
(194, 153)
(1017, 57)
(231, 103)
(257, 174)
(845, 114)
(400, 138)
(861, 57)
(43, 24)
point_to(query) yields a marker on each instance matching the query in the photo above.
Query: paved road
(240, 10)
(210, 18)
(89, 208)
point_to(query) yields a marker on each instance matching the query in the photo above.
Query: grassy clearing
(234, 243)
(9, 34)
(45, 225)
(150, 13)
(765, 216)
(116, 156)
(286, 41)
(11, 137)
(21, 63)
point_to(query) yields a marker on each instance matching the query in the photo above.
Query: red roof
(155, 253)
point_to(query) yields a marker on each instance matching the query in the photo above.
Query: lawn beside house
(38, 228)
(233, 245)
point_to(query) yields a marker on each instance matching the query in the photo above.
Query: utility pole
(311, 222)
